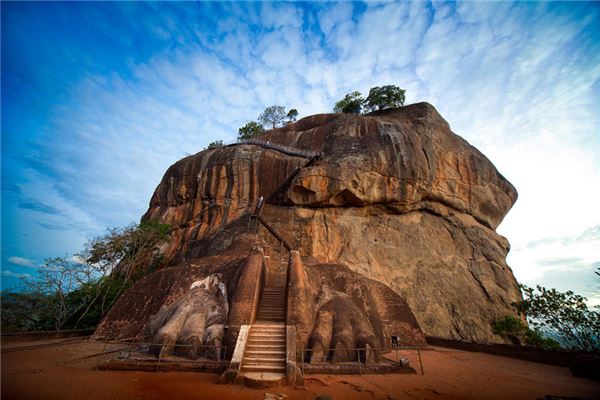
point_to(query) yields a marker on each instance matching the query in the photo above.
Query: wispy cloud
(11, 274)
(38, 206)
(21, 261)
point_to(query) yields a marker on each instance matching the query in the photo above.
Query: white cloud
(76, 259)
(21, 261)
(11, 274)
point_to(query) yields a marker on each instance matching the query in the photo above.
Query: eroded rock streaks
(394, 225)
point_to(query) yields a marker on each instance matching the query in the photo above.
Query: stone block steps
(272, 305)
(264, 358)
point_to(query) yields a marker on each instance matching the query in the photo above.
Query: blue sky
(98, 99)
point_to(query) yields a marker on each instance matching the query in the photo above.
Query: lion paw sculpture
(193, 325)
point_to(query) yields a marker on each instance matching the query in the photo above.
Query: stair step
(268, 315)
(278, 345)
(261, 347)
(263, 368)
(267, 330)
(272, 319)
(266, 341)
(263, 361)
(266, 353)
(278, 335)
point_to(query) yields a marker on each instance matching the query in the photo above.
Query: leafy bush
(509, 326)
(534, 337)
(214, 145)
(292, 115)
(383, 97)
(514, 329)
(566, 314)
(250, 130)
(350, 104)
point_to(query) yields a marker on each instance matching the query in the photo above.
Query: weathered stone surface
(396, 197)
(336, 310)
(193, 325)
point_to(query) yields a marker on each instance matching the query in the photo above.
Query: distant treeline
(76, 292)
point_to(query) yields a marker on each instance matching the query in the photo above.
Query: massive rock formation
(395, 200)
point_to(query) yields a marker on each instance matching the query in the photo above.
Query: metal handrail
(292, 151)
(136, 347)
(358, 350)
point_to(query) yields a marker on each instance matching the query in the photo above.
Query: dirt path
(48, 374)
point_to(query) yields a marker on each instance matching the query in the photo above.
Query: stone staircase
(265, 355)
(264, 358)
(272, 305)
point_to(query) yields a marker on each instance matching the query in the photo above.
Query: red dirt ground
(50, 373)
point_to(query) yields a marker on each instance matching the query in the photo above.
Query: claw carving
(341, 328)
(193, 325)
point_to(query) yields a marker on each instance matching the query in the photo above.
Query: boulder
(395, 204)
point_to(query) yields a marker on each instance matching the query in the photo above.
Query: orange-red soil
(50, 373)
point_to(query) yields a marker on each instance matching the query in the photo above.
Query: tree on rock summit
(389, 96)
(291, 116)
(250, 130)
(350, 104)
(272, 116)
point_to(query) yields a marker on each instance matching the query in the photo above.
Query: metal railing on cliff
(291, 151)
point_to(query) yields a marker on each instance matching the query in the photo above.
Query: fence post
(420, 361)
(358, 359)
(159, 357)
(303, 353)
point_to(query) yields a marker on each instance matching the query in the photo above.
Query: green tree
(383, 97)
(350, 104)
(272, 116)
(292, 115)
(215, 144)
(69, 293)
(515, 330)
(25, 310)
(566, 314)
(251, 130)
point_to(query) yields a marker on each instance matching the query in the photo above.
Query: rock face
(395, 198)
(195, 321)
